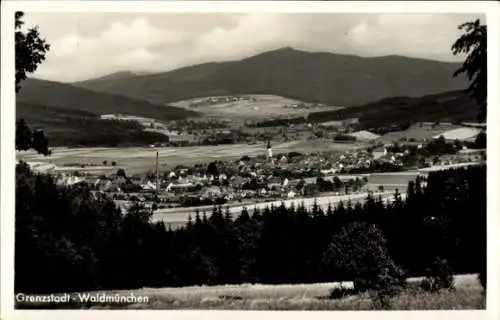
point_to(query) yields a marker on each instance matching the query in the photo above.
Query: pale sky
(87, 45)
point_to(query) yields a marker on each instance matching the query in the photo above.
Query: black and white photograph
(248, 157)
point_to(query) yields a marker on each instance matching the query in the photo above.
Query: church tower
(269, 151)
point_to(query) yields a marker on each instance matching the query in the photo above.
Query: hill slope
(69, 127)
(315, 77)
(447, 106)
(65, 96)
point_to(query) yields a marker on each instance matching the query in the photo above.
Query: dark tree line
(66, 240)
(277, 122)
(93, 132)
(374, 167)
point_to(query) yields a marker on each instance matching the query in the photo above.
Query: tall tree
(40, 143)
(23, 136)
(30, 51)
(473, 43)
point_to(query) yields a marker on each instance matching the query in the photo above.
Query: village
(271, 177)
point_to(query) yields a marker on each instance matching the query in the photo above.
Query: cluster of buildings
(272, 176)
(221, 99)
(277, 176)
(269, 176)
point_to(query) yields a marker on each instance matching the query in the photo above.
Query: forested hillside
(396, 111)
(72, 128)
(63, 95)
(322, 77)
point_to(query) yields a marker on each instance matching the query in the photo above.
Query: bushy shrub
(359, 250)
(340, 292)
(439, 276)
(121, 173)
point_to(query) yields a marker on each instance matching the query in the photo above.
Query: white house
(178, 186)
(149, 186)
(285, 182)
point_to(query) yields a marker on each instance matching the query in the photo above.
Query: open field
(417, 132)
(266, 106)
(318, 145)
(144, 121)
(178, 217)
(468, 295)
(137, 160)
(393, 178)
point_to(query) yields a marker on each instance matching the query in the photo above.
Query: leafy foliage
(361, 251)
(121, 173)
(473, 43)
(439, 276)
(212, 168)
(25, 139)
(30, 50)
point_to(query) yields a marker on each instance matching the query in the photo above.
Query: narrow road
(179, 216)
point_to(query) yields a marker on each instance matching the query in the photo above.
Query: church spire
(269, 151)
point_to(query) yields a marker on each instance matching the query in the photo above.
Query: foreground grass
(467, 295)
(407, 300)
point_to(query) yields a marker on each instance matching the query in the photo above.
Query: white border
(256, 6)
(490, 8)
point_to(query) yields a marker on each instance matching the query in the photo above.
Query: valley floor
(139, 160)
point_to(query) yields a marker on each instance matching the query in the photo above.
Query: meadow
(393, 178)
(417, 132)
(139, 160)
(467, 294)
(266, 106)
